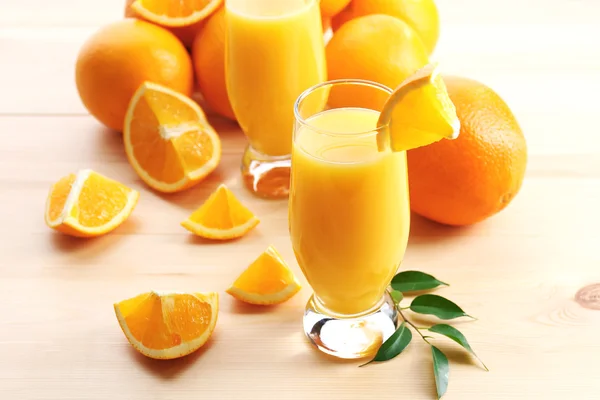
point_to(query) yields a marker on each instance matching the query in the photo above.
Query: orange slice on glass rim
(221, 217)
(168, 140)
(418, 113)
(167, 325)
(88, 204)
(268, 280)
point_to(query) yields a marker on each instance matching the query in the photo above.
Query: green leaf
(410, 281)
(396, 296)
(394, 345)
(456, 335)
(438, 306)
(441, 370)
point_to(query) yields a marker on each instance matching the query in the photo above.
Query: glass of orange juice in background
(274, 51)
(349, 216)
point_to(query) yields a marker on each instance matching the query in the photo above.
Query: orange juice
(274, 52)
(349, 209)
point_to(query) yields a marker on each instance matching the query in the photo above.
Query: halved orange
(167, 325)
(419, 112)
(168, 140)
(268, 280)
(175, 13)
(88, 204)
(221, 217)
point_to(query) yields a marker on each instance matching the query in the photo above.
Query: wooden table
(518, 272)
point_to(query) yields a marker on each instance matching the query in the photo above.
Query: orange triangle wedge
(221, 217)
(167, 325)
(168, 140)
(88, 204)
(268, 280)
(418, 113)
(175, 13)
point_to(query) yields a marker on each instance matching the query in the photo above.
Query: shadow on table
(424, 230)
(110, 141)
(460, 356)
(329, 359)
(423, 320)
(170, 369)
(192, 198)
(193, 239)
(91, 247)
(239, 307)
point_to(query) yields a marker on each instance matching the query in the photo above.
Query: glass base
(266, 176)
(350, 337)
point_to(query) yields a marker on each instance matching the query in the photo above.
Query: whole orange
(342, 17)
(329, 8)
(208, 55)
(464, 181)
(119, 57)
(378, 48)
(421, 15)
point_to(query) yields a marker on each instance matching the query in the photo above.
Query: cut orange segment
(268, 280)
(175, 13)
(167, 139)
(221, 217)
(167, 325)
(87, 204)
(419, 112)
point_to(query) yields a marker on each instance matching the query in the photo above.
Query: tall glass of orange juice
(274, 51)
(349, 216)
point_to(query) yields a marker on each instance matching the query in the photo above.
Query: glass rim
(236, 10)
(337, 82)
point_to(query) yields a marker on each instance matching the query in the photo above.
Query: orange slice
(221, 217)
(268, 280)
(87, 204)
(419, 112)
(175, 13)
(167, 139)
(167, 325)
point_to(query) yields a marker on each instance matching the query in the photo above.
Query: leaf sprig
(426, 304)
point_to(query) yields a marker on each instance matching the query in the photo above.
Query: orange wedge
(419, 112)
(268, 280)
(167, 139)
(87, 204)
(175, 13)
(221, 217)
(167, 325)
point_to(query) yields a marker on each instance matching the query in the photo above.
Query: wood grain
(518, 272)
